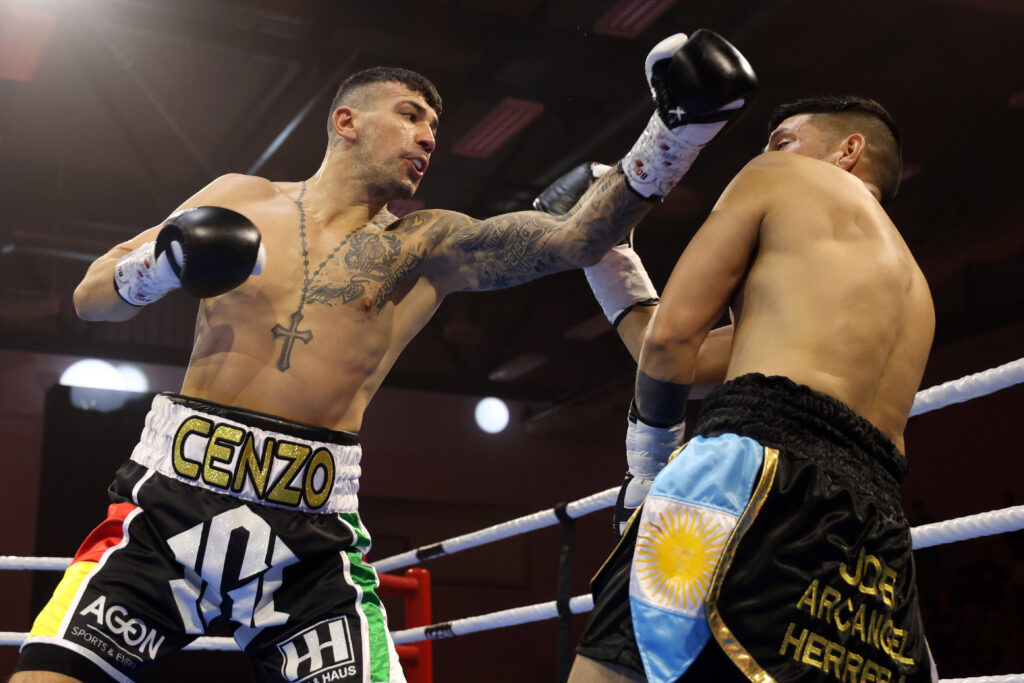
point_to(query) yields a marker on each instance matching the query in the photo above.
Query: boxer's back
(833, 298)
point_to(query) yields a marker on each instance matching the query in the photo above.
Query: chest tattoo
(373, 264)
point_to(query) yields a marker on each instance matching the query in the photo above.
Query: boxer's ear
(850, 151)
(344, 121)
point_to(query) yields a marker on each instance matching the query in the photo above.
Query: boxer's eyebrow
(776, 134)
(422, 111)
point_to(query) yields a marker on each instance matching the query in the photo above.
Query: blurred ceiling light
(93, 373)
(497, 128)
(628, 18)
(491, 415)
(134, 378)
(99, 385)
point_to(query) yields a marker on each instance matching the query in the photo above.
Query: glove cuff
(658, 160)
(141, 277)
(619, 282)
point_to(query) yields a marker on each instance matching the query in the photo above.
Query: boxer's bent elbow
(665, 352)
(93, 308)
(81, 300)
(665, 333)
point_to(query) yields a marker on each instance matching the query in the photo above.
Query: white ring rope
(203, 643)
(939, 396)
(924, 536)
(487, 622)
(35, 563)
(972, 526)
(966, 388)
(537, 520)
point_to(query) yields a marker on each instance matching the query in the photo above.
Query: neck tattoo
(290, 334)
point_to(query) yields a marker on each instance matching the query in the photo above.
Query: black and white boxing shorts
(224, 515)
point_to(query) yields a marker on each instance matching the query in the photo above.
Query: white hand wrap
(649, 448)
(647, 451)
(141, 278)
(658, 160)
(619, 281)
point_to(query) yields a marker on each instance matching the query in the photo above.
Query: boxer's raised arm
(95, 297)
(205, 249)
(698, 86)
(517, 247)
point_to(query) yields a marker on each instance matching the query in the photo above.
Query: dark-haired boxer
(239, 503)
(773, 546)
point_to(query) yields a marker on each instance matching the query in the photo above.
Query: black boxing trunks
(773, 546)
(224, 515)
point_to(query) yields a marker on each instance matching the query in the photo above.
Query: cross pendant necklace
(290, 334)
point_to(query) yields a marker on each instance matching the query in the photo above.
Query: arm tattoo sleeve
(517, 247)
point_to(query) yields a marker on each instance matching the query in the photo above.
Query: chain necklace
(292, 333)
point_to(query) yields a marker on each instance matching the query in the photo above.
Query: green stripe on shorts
(364, 576)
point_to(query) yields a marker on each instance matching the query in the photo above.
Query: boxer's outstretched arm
(517, 247)
(513, 248)
(95, 297)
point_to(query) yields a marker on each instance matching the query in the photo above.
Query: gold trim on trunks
(732, 647)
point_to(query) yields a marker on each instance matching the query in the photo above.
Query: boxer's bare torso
(834, 299)
(823, 288)
(347, 285)
(373, 284)
(321, 356)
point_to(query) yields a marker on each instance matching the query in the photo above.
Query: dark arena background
(114, 111)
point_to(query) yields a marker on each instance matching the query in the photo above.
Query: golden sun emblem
(676, 556)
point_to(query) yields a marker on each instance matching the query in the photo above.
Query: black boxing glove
(207, 251)
(619, 280)
(561, 195)
(699, 85)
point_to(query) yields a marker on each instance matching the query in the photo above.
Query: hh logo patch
(320, 654)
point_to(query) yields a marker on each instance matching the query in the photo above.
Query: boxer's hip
(252, 456)
(818, 576)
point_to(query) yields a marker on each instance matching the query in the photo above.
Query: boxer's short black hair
(350, 90)
(847, 114)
